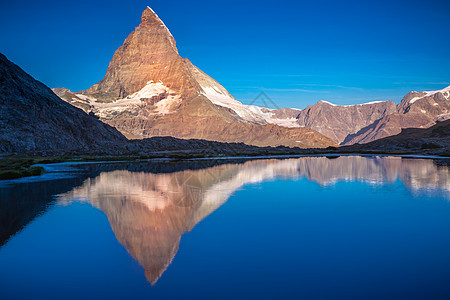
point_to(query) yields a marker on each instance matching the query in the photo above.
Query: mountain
(364, 123)
(150, 90)
(33, 118)
(435, 137)
(416, 110)
(338, 122)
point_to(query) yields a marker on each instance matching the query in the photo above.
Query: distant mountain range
(149, 90)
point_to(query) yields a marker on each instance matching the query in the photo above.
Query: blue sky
(297, 52)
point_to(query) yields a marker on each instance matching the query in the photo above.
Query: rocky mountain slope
(149, 90)
(416, 110)
(338, 122)
(33, 118)
(436, 137)
(364, 123)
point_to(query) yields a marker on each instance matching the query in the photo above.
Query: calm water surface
(306, 228)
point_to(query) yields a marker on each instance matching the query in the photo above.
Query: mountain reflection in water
(150, 212)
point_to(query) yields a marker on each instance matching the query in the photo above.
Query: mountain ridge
(150, 90)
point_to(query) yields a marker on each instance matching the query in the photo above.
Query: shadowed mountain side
(435, 137)
(33, 118)
(150, 212)
(388, 126)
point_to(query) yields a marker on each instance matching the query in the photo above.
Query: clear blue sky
(298, 52)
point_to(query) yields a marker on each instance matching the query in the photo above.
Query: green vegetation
(12, 168)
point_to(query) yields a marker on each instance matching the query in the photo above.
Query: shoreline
(59, 167)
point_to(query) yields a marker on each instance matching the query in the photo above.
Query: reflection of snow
(211, 188)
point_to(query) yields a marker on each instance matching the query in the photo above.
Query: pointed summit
(150, 90)
(149, 17)
(148, 54)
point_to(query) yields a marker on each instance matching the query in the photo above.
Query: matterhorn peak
(149, 17)
(150, 90)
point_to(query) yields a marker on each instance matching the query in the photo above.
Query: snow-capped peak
(444, 91)
(327, 102)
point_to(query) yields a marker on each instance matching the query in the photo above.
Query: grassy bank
(13, 168)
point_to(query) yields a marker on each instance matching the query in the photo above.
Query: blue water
(309, 228)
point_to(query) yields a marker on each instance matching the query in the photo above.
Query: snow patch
(415, 99)
(445, 92)
(83, 97)
(250, 113)
(133, 103)
(373, 102)
(327, 102)
(368, 103)
(150, 90)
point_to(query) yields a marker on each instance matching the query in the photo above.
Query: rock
(340, 122)
(416, 110)
(435, 137)
(150, 90)
(33, 118)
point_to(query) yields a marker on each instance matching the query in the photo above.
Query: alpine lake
(336, 227)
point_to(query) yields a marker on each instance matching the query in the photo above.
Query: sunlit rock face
(150, 212)
(364, 123)
(148, 54)
(150, 90)
(340, 121)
